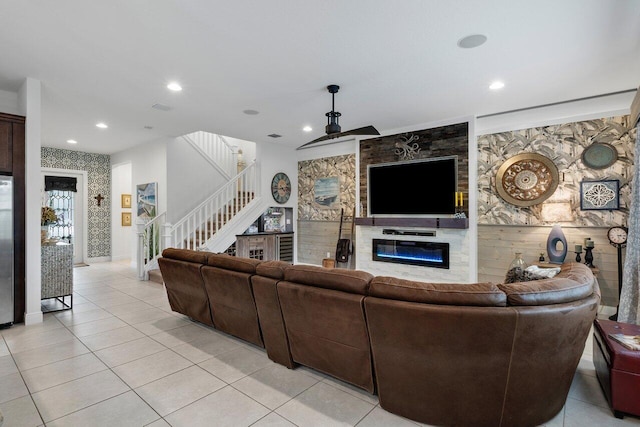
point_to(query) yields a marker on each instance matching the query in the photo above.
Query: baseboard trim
(33, 318)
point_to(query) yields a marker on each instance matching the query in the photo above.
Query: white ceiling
(397, 62)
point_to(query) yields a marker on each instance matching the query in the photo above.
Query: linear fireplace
(426, 254)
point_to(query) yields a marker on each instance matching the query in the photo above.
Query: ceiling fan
(333, 128)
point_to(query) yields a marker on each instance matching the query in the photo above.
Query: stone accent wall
(436, 142)
(98, 168)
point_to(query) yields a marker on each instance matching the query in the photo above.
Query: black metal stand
(615, 316)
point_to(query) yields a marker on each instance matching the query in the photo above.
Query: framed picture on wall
(125, 200)
(126, 219)
(146, 198)
(600, 195)
(326, 193)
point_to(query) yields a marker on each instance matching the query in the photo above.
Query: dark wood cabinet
(12, 162)
(6, 147)
(266, 247)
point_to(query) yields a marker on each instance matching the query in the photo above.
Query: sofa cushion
(243, 265)
(272, 269)
(354, 281)
(186, 255)
(476, 294)
(574, 282)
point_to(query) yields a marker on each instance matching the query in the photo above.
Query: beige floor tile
(381, 418)
(185, 387)
(144, 316)
(236, 364)
(52, 353)
(274, 385)
(20, 412)
(160, 423)
(587, 389)
(185, 334)
(324, 405)
(47, 376)
(4, 350)
(273, 420)
(129, 308)
(150, 368)
(586, 367)
(125, 410)
(129, 351)
(49, 322)
(557, 421)
(110, 338)
(97, 326)
(161, 325)
(114, 301)
(81, 307)
(12, 387)
(580, 414)
(99, 292)
(205, 348)
(70, 318)
(66, 398)
(228, 407)
(20, 343)
(352, 390)
(7, 366)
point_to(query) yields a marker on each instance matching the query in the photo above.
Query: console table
(57, 273)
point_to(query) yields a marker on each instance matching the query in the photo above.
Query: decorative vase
(556, 256)
(518, 262)
(44, 233)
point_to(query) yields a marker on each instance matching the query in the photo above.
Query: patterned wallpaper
(343, 167)
(98, 168)
(564, 145)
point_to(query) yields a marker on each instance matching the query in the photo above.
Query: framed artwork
(125, 200)
(147, 204)
(126, 219)
(326, 193)
(527, 179)
(600, 195)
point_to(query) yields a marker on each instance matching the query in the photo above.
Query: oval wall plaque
(527, 179)
(599, 155)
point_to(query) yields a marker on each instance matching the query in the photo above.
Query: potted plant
(47, 217)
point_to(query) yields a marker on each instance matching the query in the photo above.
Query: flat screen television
(416, 187)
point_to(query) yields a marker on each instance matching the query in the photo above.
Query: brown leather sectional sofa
(444, 354)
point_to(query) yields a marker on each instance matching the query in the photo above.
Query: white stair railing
(216, 150)
(196, 228)
(201, 224)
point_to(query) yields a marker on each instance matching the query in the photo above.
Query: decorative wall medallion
(599, 195)
(406, 148)
(599, 155)
(527, 179)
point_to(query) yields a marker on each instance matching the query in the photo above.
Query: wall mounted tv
(416, 187)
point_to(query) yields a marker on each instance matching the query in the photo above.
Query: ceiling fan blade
(367, 130)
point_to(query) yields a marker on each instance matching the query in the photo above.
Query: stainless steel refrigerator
(6, 250)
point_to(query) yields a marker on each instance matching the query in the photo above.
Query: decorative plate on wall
(599, 155)
(527, 179)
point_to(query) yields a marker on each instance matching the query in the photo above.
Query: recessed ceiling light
(72, 141)
(275, 135)
(307, 128)
(102, 125)
(496, 85)
(474, 40)
(251, 112)
(173, 86)
(148, 127)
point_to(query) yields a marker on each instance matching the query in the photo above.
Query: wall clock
(281, 187)
(527, 179)
(618, 236)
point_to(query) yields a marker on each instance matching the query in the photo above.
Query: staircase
(213, 224)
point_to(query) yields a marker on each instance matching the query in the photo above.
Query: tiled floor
(122, 358)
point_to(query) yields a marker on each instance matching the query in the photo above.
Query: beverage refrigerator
(6, 250)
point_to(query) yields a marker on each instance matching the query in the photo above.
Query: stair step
(155, 276)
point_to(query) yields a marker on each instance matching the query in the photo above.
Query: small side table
(57, 273)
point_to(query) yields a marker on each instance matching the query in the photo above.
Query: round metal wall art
(599, 155)
(527, 179)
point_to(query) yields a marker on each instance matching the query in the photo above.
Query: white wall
(148, 164)
(9, 103)
(190, 179)
(29, 100)
(121, 236)
(248, 148)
